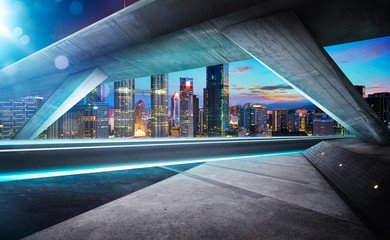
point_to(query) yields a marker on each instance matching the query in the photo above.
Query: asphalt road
(21, 157)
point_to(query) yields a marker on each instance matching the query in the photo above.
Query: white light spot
(17, 31)
(61, 62)
(25, 39)
(76, 8)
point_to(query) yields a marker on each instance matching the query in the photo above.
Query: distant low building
(15, 113)
(380, 103)
(323, 127)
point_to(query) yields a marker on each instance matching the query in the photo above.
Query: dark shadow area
(32, 205)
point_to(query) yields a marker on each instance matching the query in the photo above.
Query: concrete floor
(273, 197)
(32, 205)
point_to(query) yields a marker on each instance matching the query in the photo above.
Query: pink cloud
(238, 70)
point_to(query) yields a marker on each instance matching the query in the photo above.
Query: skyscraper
(102, 127)
(159, 105)
(175, 110)
(15, 113)
(124, 108)
(248, 117)
(186, 107)
(196, 115)
(79, 122)
(217, 102)
(361, 89)
(279, 120)
(380, 103)
(261, 116)
(140, 111)
(293, 121)
(205, 96)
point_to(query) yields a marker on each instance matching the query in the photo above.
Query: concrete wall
(354, 169)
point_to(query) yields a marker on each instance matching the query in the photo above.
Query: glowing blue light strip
(99, 169)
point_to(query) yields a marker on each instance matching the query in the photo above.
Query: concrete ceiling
(161, 36)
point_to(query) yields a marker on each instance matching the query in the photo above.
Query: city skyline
(363, 62)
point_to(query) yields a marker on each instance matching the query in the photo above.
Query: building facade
(159, 105)
(217, 101)
(279, 120)
(186, 107)
(380, 103)
(124, 108)
(15, 113)
(102, 115)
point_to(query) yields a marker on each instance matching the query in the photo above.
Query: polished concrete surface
(32, 205)
(273, 197)
(359, 172)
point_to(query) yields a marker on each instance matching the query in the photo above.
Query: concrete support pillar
(282, 44)
(72, 90)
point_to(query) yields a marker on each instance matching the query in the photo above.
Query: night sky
(27, 26)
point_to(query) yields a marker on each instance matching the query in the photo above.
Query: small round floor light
(376, 187)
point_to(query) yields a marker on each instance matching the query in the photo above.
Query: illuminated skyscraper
(196, 115)
(124, 108)
(79, 122)
(175, 110)
(217, 103)
(15, 113)
(261, 116)
(186, 107)
(159, 105)
(293, 121)
(205, 96)
(279, 120)
(140, 111)
(102, 127)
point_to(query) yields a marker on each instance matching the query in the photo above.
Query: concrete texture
(354, 168)
(30, 206)
(274, 197)
(70, 92)
(283, 44)
(160, 36)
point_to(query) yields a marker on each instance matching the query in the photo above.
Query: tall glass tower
(159, 105)
(217, 106)
(175, 110)
(124, 108)
(186, 107)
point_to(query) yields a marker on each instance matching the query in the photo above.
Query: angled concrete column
(71, 90)
(282, 44)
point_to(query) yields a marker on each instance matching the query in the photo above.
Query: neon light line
(99, 169)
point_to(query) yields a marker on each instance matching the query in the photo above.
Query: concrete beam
(282, 44)
(71, 91)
